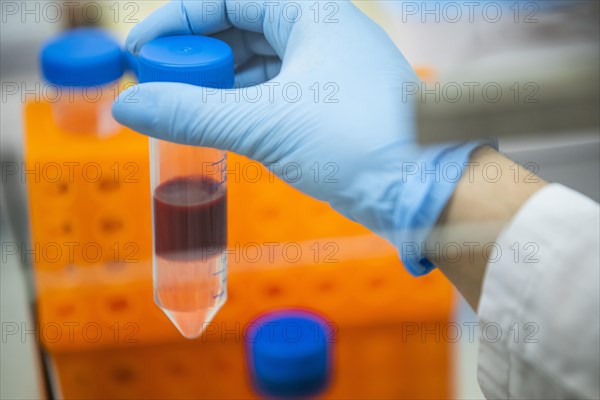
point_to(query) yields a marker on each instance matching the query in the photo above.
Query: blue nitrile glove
(352, 122)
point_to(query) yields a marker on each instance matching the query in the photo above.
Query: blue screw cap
(82, 57)
(290, 354)
(195, 60)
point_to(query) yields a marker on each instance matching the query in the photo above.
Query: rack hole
(377, 283)
(123, 374)
(326, 286)
(273, 291)
(109, 186)
(61, 228)
(65, 310)
(57, 189)
(62, 188)
(118, 304)
(81, 379)
(176, 369)
(222, 366)
(111, 225)
(115, 267)
(271, 213)
(67, 228)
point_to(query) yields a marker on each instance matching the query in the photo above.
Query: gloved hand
(336, 104)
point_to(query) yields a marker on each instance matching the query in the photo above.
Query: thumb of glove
(186, 114)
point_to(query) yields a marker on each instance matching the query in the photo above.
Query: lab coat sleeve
(539, 310)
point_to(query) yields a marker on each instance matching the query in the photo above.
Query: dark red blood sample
(190, 218)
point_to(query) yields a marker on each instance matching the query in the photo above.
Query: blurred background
(80, 329)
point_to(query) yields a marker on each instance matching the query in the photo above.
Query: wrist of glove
(428, 186)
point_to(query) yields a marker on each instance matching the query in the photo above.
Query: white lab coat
(542, 291)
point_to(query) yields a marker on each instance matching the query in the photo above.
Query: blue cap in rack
(195, 60)
(82, 57)
(289, 354)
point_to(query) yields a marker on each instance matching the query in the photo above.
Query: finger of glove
(179, 17)
(205, 17)
(245, 45)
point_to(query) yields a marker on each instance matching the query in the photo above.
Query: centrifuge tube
(84, 65)
(190, 235)
(189, 191)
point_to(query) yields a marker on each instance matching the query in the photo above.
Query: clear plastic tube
(189, 191)
(86, 110)
(85, 67)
